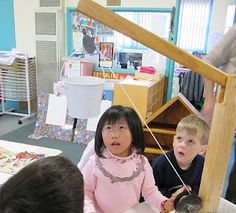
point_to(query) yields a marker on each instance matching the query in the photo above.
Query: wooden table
(19, 147)
(224, 206)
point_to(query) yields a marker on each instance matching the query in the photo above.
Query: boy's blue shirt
(167, 180)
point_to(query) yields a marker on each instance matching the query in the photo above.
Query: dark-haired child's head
(119, 129)
(49, 185)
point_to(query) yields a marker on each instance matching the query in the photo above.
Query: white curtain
(155, 22)
(193, 22)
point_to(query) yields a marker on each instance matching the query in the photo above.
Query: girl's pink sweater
(115, 184)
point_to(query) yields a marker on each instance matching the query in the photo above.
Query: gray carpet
(73, 151)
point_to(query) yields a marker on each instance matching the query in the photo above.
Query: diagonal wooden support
(224, 118)
(219, 146)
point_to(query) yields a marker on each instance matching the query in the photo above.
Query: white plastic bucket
(84, 96)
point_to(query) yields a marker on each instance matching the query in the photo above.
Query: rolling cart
(17, 82)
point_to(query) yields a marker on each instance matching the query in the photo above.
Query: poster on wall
(106, 54)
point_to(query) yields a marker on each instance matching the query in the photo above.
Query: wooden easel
(224, 118)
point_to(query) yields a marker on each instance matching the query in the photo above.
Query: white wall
(219, 11)
(25, 21)
(25, 25)
(73, 3)
(148, 3)
(217, 24)
(132, 3)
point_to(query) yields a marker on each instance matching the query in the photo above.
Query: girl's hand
(168, 206)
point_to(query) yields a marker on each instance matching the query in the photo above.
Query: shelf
(115, 70)
(154, 151)
(160, 130)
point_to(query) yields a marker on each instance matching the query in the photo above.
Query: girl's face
(117, 138)
(186, 147)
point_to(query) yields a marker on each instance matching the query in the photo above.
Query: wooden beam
(219, 146)
(116, 22)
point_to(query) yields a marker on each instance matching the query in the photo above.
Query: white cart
(17, 82)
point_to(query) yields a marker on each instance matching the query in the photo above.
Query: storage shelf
(160, 130)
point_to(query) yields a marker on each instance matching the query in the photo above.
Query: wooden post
(73, 130)
(219, 146)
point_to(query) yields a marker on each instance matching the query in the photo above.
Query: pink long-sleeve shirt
(114, 184)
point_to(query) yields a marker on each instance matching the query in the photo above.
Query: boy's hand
(182, 189)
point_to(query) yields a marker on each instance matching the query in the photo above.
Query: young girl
(118, 174)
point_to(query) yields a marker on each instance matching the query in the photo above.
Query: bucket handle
(60, 88)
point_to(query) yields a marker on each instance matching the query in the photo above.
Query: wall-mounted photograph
(106, 54)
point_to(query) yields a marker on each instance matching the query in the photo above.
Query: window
(156, 22)
(193, 24)
(127, 52)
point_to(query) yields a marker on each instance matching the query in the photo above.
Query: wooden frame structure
(224, 117)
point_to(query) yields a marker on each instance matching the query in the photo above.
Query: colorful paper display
(60, 132)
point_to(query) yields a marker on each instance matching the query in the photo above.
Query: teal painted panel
(7, 36)
(69, 25)
(7, 25)
(115, 70)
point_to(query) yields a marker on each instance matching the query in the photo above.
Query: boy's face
(186, 147)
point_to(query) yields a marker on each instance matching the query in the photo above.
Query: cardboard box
(146, 76)
(147, 96)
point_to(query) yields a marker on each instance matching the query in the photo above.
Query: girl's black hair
(113, 114)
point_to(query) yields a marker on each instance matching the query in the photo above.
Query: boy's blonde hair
(195, 124)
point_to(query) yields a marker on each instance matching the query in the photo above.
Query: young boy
(190, 143)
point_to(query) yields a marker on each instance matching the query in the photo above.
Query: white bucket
(84, 96)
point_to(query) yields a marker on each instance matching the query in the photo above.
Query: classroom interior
(45, 43)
